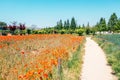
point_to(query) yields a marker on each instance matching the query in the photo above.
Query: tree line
(13, 29)
(67, 27)
(113, 24)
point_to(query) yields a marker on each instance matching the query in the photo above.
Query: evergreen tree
(97, 27)
(67, 24)
(79, 26)
(118, 25)
(112, 22)
(60, 24)
(88, 25)
(88, 29)
(73, 23)
(102, 25)
(83, 26)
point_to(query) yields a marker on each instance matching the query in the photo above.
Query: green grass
(111, 45)
(72, 68)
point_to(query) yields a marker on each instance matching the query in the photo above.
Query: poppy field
(36, 57)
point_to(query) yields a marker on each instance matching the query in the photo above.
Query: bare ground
(95, 65)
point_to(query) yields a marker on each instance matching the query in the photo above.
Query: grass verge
(112, 53)
(71, 69)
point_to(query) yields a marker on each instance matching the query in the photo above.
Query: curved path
(95, 64)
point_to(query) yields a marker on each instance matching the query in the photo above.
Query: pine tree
(83, 26)
(65, 25)
(102, 24)
(112, 22)
(97, 27)
(118, 25)
(73, 23)
(60, 25)
(88, 29)
(68, 24)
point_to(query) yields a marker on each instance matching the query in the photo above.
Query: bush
(63, 31)
(79, 31)
(29, 31)
(23, 32)
(5, 32)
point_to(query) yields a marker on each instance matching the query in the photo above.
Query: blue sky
(47, 12)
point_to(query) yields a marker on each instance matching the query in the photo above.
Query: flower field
(35, 57)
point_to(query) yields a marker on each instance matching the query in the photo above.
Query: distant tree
(79, 26)
(59, 25)
(3, 28)
(67, 24)
(118, 24)
(97, 27)
(22, 26)
(102, 25)
(112, 22)
(93, 30)
(13, 27)
(83, 26)
(3, 25)
(73, 23)
(88, 29)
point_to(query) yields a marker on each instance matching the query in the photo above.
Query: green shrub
(79, 31)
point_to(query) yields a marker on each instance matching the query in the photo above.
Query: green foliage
(117, 27)
(73, 24)
(23, 32)
(59, 25)
(29, 31)
(2, 25)
(63, 31)
(88, 31)
(67, 24)
(3, 29)
(79, 31)
(5, 32)
(103, 24)
(112, 22)
(93, 30)
(16, 32)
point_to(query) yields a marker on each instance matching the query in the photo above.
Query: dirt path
(95, 64)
